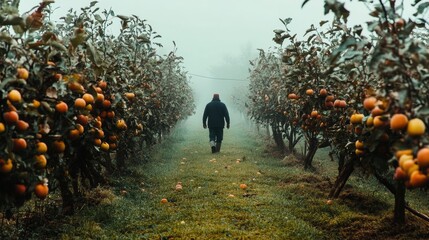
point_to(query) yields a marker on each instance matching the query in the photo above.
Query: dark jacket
(217, 113)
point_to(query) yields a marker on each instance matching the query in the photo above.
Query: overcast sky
(211, 34)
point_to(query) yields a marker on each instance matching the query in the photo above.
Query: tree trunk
(343, 176)
(278, 138)
(66, 195)
(399, 213)
(312, 149)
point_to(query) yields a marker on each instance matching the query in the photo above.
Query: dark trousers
(216, 134)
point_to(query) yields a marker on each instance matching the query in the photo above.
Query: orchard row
(72, 93)
(361, 92)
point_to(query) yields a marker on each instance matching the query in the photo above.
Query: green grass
(282, 200)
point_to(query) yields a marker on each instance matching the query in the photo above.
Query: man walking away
(217, 114)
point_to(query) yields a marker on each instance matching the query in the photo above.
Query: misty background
(216, 38)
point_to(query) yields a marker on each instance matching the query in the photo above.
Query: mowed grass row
(281, 201)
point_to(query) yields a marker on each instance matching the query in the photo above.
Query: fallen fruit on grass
(329, 202)
(243, 186)
(164, 200)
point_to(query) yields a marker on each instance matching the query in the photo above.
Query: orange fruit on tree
(400, 174)
(58, 146)
(102, 84)
(89, 107)
(89, 99)
(379, 121)
(104, 146)
(99, 133)
(418, 179)
(22, 73)
(370, 121)
(292, 96)
(369, 103)
(398, 121)
(40, 161)
(20, 189)
(2, 127)
(359, 144)
(14, 96)
(309, 91)
(113, 138)
(330, 98)
(100, 98)
(107, 103)
(97, 142)
(359, 152)
(110, 114)
(76, 87)
(82, 119)
(423, 157)
(323, 92)
(41, 147)
(19, 144)
(36, 103)
(399, 153)
(130, 96)
(113, 146)
(410, 166)
(62, 107)
(11, 117)
(416, 127)
(98, 123)
(79, 103)
(356, 118)
(314, 113)
(5, 165)
(22, 125)
(404, 158)
(74, 134)
(41, 190)
(80, 128)
(121, 124)
(377, 111)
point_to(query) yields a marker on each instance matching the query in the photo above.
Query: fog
(217, 38)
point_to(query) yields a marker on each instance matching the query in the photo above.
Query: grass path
(281, 201)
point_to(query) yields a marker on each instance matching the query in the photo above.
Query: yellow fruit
(41, 148)
(416, 127)
(22, 73)
(104, 146)
(356, 118)
(359, 144)
(2, 127)
(14, 96)
(404, 158)
(40, 161)
(399, 153)
(5, 166)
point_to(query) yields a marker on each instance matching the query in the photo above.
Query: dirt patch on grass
(383, 228)
(363, 202)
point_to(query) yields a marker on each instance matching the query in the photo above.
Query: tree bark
(312, 149)
(342, 178)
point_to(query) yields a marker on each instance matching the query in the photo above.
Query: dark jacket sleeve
(205, 115)
(226, 115)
